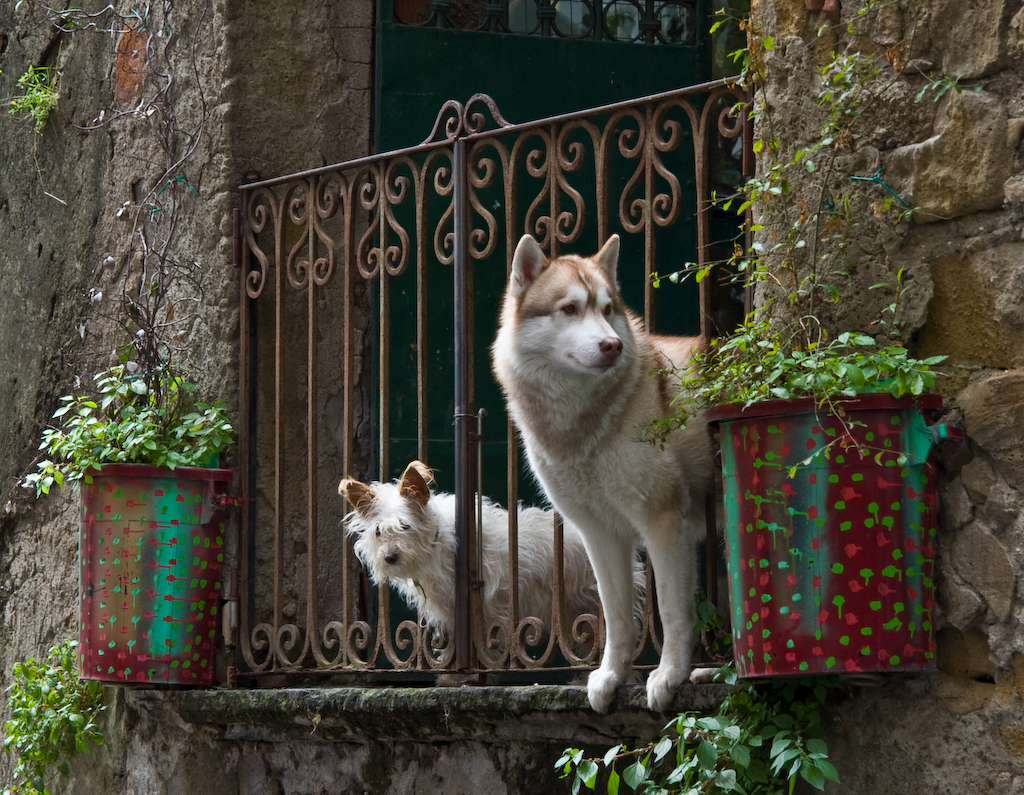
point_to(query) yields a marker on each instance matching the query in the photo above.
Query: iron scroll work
(324, 254)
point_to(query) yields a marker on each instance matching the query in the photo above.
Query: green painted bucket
(151, 551)
(830, 526)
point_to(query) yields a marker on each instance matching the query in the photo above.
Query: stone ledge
(537, 713)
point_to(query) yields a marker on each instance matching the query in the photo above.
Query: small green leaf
(707, 755)
(587, 772)
(812, 775)
(634, 775)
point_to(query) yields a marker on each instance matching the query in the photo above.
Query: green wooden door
(418, 68)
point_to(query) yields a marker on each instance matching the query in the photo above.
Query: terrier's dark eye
(404, 525)
(376, 531)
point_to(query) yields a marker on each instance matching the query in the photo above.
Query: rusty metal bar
(384, 373)
(312, 423)
(246, 443)
(278, 425)
(463, 411)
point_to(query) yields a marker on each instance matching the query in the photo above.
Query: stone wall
(261, 72)
(958, 162)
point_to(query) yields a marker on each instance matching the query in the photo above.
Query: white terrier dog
(406, 535)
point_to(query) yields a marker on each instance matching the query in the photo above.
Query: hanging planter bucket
(830, 527)
(151, 550)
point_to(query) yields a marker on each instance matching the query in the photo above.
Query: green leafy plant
(797, 261)
(135, 418)
(53, 716)
(765, 737)
(39, 97)
(712, 630)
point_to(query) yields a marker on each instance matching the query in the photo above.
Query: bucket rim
(778, 407)
(152, 471)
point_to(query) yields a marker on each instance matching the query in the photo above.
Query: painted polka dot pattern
(830, 536)
(151, 550)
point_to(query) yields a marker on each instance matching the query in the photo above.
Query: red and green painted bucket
(151, 550)
(830, 526)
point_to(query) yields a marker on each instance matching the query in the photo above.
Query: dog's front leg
(611, 555)
(671, 550)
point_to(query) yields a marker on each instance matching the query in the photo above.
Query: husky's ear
(359, 494)
(413, 483)
(527, 264)
(608, 257)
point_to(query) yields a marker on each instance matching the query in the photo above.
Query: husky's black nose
(391, 558)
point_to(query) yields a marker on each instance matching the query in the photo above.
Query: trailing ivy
(53, 716)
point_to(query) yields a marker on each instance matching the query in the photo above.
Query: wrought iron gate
(326, 254)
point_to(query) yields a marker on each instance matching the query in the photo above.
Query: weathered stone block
(994, 416)
(979, 558)
(962, 169)
(967, 36)
(957, 507)
(960, 604)
(964, 654)
(968, 288)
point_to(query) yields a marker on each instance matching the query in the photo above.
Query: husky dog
(406, 535)
(574, 364)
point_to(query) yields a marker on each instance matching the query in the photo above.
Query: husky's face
(569, 310)
(393, 529)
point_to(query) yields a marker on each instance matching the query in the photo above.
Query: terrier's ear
(413, 483)
(425, 472)
(608, 257)
(359, 494)
(527, 264)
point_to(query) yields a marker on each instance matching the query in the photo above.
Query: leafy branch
(130, 420)
(53, 716)
(764, 738)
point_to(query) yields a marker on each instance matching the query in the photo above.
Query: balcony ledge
(537, 713)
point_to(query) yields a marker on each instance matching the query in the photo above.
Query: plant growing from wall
(141, 409)
(53, 716)
(39, 94)
(764, 738)
(797, 262)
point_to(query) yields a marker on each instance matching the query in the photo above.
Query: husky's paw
(661, 687)
(601, 687)
(703, 676)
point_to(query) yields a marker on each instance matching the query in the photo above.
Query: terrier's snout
(611, 347)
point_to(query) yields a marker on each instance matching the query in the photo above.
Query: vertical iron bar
(279, 267)
(478, 560)
(463, 411)
(246, 446)
(349, 572)
(422, 430)
(312, 631)
(384, 308)
(648, 156)
(703, 204)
